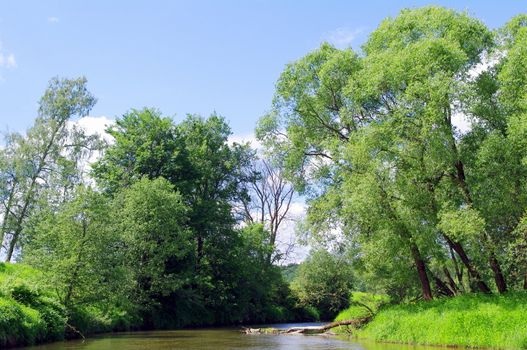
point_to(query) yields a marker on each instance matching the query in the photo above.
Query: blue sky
(181, 56)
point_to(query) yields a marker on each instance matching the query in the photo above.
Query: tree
(324, 281)
(146, 145)
(269, 200)
(216, 180)
(152, 219)
(195, 157)
(78, 251)
(371, 140)
(31, 162)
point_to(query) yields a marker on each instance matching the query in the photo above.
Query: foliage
(45, 165)
(371, 140)
(151, 218)
(290, 271)
(66, 246)
(174, 188)
(409, 206)
(324, 281)
(27, 314)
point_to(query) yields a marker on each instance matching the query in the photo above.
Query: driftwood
(358, 322)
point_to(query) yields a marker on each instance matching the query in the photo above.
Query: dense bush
(323, 282)
(20, 324)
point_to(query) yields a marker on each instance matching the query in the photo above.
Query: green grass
(362, 305)
(351, 313)
(488, 321)
(31, 314)
(27, 315)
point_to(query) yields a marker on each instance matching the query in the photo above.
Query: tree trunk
(457, 269)
(308, 330)
(442, 287)
(7, 213)
(421, 271)
(473, 273)
(19, 222)
(11, 248)
(199, 249)
(451, 281)
(460, 179)
(498, 274)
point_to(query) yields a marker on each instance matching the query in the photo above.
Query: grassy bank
(489, 321)
(32, 314)
(27, 315)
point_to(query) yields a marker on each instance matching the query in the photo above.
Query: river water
(215, 339)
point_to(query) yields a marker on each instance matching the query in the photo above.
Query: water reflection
(215, 339)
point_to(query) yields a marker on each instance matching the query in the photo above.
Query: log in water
(308, 329)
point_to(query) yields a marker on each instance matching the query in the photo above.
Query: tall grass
(489, 321)
(31, 313)
(27, 315)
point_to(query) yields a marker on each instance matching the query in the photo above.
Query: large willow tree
(371, 138)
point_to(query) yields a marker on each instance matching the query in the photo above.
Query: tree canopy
(372, 138)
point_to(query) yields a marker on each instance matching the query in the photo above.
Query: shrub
(19, 324)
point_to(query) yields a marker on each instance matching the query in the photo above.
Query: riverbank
(25, 316)
(31, 314)
(485, 321)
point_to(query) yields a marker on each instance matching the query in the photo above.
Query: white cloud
(91, 126)
(343, 37)
(96, 125)
(251, 138)
(10, 61)
(53, 19)
(7, 60)
(298, 209)
(461, 122)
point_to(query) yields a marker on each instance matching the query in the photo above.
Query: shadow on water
(217, 339)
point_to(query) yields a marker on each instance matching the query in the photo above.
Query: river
(215, 339)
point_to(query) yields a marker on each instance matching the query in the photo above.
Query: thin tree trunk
(419, 263)
(18, 227)
(459, 272)
(473, 273)
(460, 179)
(7, 214)
(29, 195)
(442, 287)
(451, 281)
(16, 233)
(498, 274)
(421, 271)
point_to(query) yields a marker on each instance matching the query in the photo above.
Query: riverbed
(215, 339)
